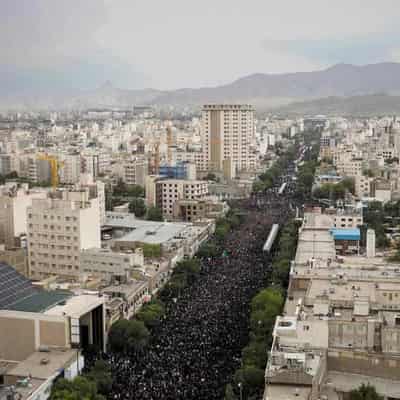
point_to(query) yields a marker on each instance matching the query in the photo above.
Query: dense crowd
(197, 346)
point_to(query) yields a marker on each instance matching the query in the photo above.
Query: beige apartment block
(58, 229)
(14, 201)
(135, 170)
(169, 191)
(228, 132)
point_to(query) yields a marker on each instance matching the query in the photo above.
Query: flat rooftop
(22, 392)
(315, 221)
(315, 240)
(76, 306)
(301, 333)
(286, 392)
(152, 232)
(317, 244)
(126, 288)
(42, 365)
(349, 291)
(343, 381)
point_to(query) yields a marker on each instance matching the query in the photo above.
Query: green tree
(120, 188)
(135, 190)
(154, 214)
(117, 335)
(271, 299)
(79, 388)
(151, 250)
(137, 207)
(207, 249)
(280, 272)
(348, 184)
(365, 392)
(137, 336)
(255, 353)
(151, 313)
(251, 378)
(222, 228)
(128, 336)
(190, 268)
(260, 186)
(101, 375)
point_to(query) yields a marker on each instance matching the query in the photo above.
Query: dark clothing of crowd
(196, 348)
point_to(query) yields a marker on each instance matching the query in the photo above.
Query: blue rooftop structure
(178, 171)
(346, 234)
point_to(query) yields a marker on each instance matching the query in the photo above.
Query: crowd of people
(197, 346)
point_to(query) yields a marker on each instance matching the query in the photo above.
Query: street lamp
(240, 390)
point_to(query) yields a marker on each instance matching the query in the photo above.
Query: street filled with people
(197, 346)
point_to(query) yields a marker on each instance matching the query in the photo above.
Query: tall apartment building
(14, 201)
(59, 227)
(169, 191)
(36, 170)
(90, 164)
(135, 170)
(228, 132)
(8, 163)
(70, 170)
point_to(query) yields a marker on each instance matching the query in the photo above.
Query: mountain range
(338, 85)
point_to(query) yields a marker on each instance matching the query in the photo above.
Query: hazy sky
(187, 43)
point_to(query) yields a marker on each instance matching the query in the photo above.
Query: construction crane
(55, 166)
(169, 144)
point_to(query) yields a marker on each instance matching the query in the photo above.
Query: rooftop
(344, 381)
(283, 392)
(315, 240)
(346, 234)
(41, 301)
(42, 365)
(76, 306)
(152, 232)
(127, 288)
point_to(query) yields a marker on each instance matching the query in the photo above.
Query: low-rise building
(42, 333)
(340, 322)
(109, 265)
(180, 238)
(132, 293)
(195, 210)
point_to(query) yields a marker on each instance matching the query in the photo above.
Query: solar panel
(13, 286)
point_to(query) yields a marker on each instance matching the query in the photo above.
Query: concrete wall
(89, 226)
(23, 333)
(364, 364)
(17, 338)
(348, 334)
(53, 333)
(391, 340)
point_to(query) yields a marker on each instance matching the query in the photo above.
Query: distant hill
(366, 105)
(265, 91)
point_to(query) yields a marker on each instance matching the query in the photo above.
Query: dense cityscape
(230, 240)
(213, 256)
